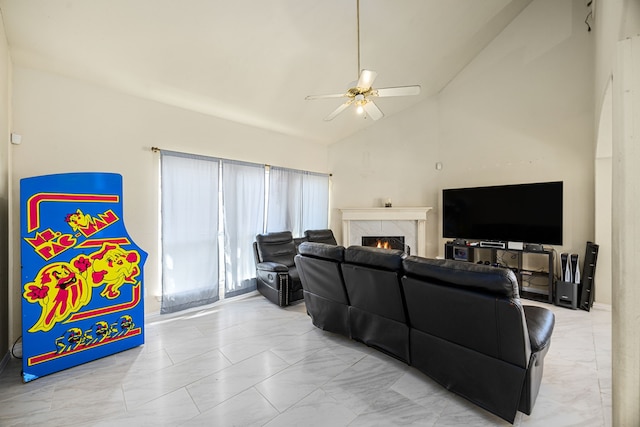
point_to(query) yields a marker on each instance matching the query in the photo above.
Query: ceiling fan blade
(366, 80)
(338, 110)
(372, 110)
(335, 95)
(397, 91)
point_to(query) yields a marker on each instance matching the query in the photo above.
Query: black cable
(13, 347)
(586, 21)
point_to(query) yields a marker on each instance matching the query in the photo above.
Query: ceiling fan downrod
(362, 93)
(358, 29)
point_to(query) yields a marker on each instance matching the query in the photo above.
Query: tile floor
(249, 363)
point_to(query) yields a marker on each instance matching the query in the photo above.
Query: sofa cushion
(498, 281)
(384, 259)
(322, 250)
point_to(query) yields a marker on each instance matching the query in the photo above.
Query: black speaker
(587, 289)
(567, 294)
(565, 274)
(575, 268)
(448, 251)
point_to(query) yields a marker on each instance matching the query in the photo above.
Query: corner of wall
(5, 119)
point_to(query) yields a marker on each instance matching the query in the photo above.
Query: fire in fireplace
(386, 242)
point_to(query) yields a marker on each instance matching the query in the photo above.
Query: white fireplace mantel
(415, 214)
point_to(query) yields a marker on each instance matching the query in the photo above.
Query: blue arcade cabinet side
(82, 275)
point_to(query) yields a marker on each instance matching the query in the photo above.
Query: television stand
(534, 284)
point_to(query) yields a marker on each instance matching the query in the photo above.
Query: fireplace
(409, 222)
(386, 242)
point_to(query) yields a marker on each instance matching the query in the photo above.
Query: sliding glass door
(212, 209)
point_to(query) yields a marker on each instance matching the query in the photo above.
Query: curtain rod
(157, 149)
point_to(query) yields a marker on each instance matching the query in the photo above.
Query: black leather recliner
(324, 293)
(470, 333)
(377, 312)
(320, 236)
(276, 273)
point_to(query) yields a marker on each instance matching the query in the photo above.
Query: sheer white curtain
(284, 212)
(298, 201)
(315, 201)
(243, 188)
(191, 251)
(189, 209)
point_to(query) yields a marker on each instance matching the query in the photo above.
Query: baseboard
(150, 318)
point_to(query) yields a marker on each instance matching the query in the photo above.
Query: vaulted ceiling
(254, 61)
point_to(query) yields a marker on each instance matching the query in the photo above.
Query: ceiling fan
(362, 92)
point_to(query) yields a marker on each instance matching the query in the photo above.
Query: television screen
(530, 213)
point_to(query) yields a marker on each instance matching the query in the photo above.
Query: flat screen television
(530, 213)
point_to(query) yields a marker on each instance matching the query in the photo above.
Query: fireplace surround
(408, 222)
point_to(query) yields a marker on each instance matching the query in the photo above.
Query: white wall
(71, 126)
(522, 111)
(393, 159)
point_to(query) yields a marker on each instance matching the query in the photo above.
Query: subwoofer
(567, 294)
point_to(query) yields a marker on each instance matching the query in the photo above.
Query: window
(298, 200)
(205, 198)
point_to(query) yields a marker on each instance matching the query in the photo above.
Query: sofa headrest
(276, 247)
(321, 236)
(275, 237)
(322, 250)
(385, 259)
(499, 281)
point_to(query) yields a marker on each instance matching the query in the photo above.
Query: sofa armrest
(540, 323)
(272, 266)
(277, 280)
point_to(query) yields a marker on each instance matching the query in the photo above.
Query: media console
(535, 284)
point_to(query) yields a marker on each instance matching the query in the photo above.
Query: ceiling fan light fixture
(360, 94)
(360, 101)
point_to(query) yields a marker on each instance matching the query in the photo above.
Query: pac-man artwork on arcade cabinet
(82, 275)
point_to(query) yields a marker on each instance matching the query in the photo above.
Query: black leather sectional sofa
(461, 324)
